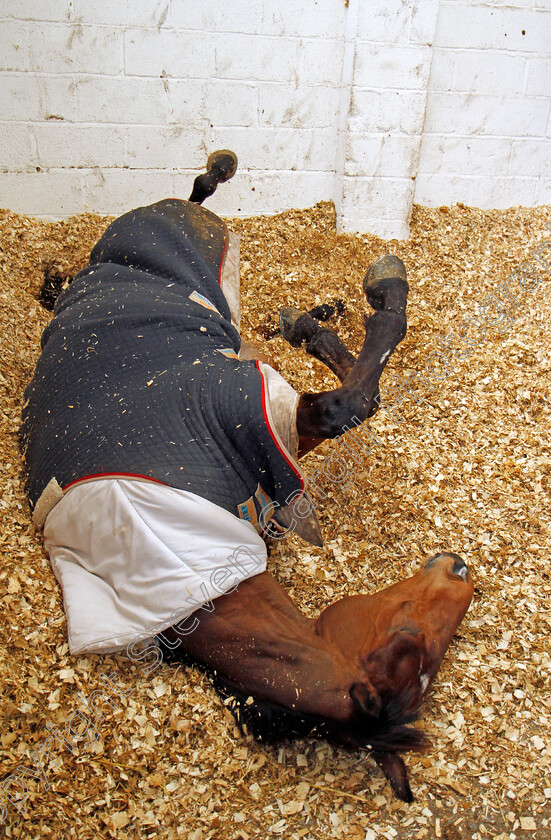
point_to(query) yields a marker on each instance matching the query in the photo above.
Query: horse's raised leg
(324, 415)
(221, 166)
(300, 329)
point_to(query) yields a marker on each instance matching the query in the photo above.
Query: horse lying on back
(157, 446)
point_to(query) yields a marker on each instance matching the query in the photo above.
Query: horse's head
(397, 639)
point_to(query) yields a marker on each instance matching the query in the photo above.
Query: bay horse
(144, 382)
(356, 675)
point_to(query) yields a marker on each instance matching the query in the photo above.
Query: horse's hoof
(297, 327)
(224, 163)
(385, 284)
(290, 329)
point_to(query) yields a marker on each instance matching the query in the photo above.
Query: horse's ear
(366, 699)
(394, 768)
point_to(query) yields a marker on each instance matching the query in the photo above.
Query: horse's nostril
(459, 569)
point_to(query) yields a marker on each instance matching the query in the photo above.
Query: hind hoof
(295, 326)
(385, 285)
(224, 163)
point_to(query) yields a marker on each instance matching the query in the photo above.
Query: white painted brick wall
(112, 103)
(486, 137)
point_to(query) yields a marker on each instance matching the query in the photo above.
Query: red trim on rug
(224, 249)
(112, 475)
(274, 438)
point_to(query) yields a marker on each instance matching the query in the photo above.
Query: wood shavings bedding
(462, 466)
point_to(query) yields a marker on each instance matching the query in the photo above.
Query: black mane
(389, 732)
(271, 723)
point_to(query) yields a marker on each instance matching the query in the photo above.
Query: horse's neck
(351, 624)
(281, 658)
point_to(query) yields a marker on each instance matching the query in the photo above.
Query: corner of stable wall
(344, 105)
(392, 48)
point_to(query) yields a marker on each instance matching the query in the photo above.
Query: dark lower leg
(325, 415)
(221, 166)
(300, 329)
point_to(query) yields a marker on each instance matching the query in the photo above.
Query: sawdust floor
(466, 469)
